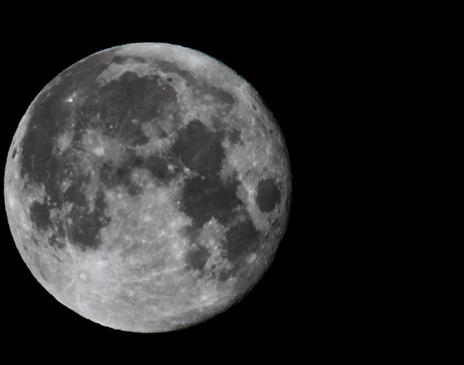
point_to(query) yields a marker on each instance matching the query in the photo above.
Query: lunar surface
(147, 187)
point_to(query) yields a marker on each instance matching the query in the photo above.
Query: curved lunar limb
(147, 187)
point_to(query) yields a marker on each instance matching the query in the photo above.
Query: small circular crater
(251, 258)
(169, 79)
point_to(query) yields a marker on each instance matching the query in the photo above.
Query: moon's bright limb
(147, 187)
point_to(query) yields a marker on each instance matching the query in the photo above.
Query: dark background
(317, 72)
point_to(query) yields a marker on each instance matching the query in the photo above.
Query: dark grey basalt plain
(147, 187)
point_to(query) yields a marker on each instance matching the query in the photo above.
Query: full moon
(147, 187)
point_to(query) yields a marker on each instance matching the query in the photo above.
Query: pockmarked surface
(147, 187)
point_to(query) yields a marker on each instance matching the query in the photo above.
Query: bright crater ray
(147, 187)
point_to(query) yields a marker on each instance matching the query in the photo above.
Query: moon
(147, 187)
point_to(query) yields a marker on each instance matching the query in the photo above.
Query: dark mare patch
(84, 227)
(121, 106)
(199, 149)
(125, 59)
(241, 240)
(40, 215)
(50, 114)
(268, 195)
(197, 257)
(206, 197)
(49, 117)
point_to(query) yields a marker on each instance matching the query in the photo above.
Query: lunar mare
(147, 187)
